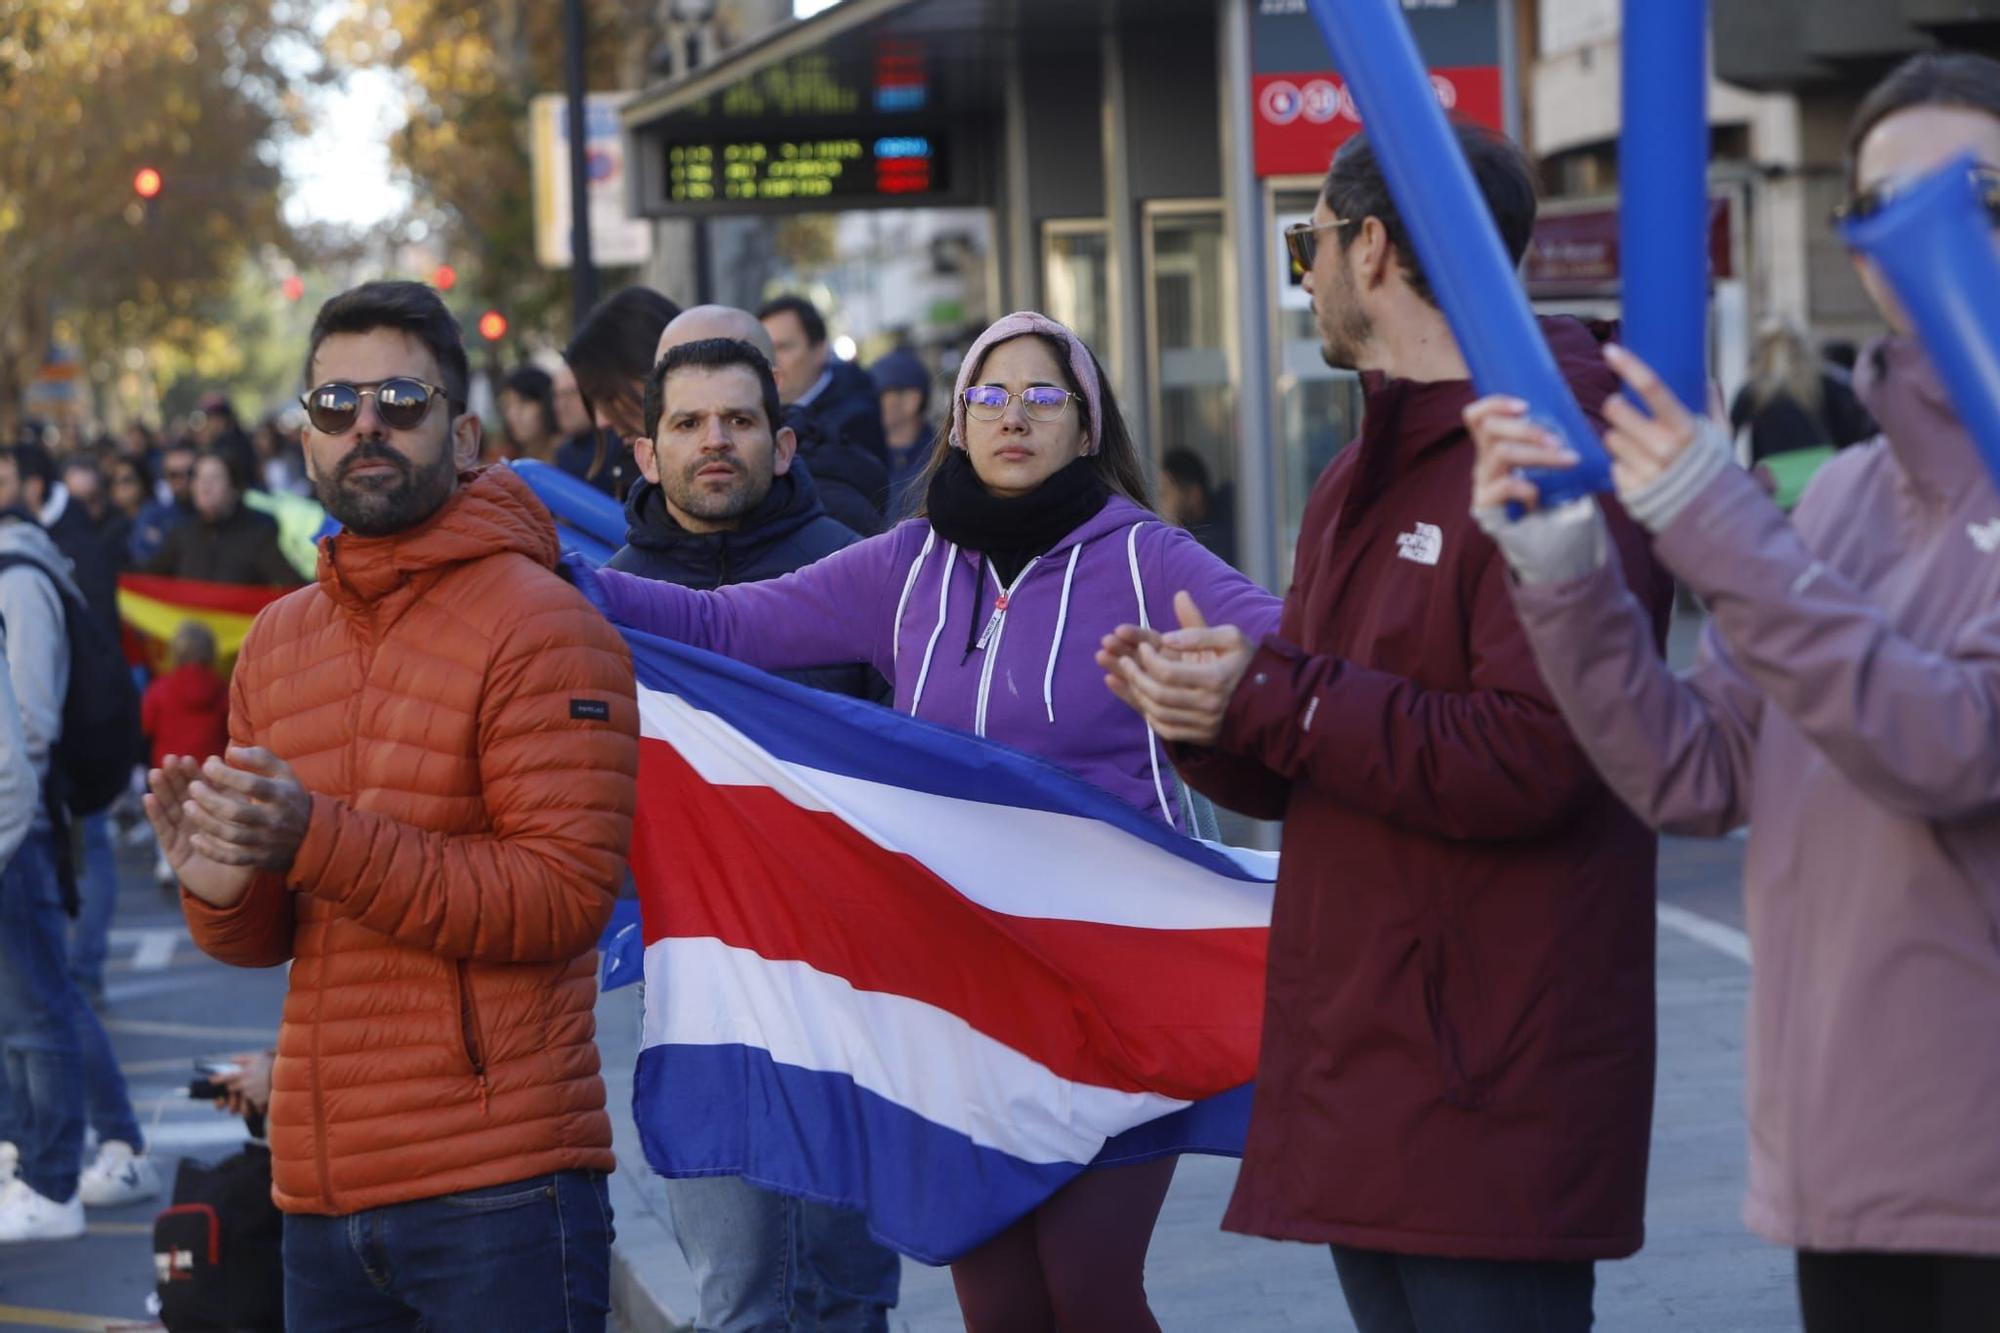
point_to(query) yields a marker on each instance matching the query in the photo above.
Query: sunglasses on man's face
(402, 403)
(1302, 243)
(1873, 200)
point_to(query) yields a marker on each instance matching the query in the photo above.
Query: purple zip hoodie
(907, 601)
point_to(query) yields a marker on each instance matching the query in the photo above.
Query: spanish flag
(153, 608)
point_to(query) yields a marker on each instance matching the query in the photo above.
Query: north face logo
(1424, 544)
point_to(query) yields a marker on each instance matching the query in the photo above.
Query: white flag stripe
(702, 992)
(1054, 860)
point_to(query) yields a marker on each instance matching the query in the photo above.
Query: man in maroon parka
(1456, 1083)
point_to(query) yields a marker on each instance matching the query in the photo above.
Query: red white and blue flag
(894, 967)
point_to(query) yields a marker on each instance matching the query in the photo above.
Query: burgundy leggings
(1076, 1264)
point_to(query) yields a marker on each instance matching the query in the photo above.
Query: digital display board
(840, 169)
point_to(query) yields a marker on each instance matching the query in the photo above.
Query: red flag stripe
(1175, 1012)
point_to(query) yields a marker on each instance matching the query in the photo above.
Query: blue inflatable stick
(1453, 232)
(1663, 182)
(585, 545)
(574, 502)
(1934, 242)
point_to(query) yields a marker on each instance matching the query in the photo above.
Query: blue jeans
(97, 892)
(532, 1254)
(41, 1054)
(765, 1261)
(1414, 1293)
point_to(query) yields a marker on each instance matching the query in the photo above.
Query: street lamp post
(582, 271)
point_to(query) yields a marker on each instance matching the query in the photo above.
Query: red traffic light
(294, 287)
(146, 183)
(493, 326)
(444, 277)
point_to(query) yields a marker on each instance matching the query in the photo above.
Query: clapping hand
(1181, 681)
(222, 821)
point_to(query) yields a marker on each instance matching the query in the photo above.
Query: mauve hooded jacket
(912, 604)
(1845, 705)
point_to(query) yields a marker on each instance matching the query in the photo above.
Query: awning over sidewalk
(870, 103)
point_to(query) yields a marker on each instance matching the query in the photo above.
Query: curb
(634, 1308)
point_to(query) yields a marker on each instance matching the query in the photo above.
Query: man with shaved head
(723, 499)
(715, 321)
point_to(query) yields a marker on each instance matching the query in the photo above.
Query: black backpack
(218, 1253)
(92, 760)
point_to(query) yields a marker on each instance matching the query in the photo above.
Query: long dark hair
(611, 352)
(1116, 459)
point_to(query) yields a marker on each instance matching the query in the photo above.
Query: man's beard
(712, 506)
(1344, 327)
(379, 508)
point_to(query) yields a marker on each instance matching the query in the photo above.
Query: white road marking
(152, 949)
(1706, 930)
(146, 1027)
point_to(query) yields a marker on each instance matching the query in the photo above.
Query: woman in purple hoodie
(1035, 539)
(1846, 705)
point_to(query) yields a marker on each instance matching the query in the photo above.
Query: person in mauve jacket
(1455, 1089)
(984, 613)
(1845, 705)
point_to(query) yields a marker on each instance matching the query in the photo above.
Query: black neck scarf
(1011, 532)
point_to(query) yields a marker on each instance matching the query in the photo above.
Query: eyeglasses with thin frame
(1302, 243)
(1873, 200)
(402, 403)
(1042, 402)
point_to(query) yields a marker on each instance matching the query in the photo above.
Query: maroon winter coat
(1458, 1028)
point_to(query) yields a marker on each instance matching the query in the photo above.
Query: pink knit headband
(1081, 368)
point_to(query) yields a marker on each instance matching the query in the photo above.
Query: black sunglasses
(402, 403)
(1302, 243)
(1871, 201)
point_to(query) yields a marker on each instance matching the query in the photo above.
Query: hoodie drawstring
(1055, 644)
(896, 633)
(1152, 741)
(944, 590)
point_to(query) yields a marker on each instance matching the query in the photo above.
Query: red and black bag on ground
(218, 1251)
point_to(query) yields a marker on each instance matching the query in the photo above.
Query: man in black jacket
(831, 404)
(227, 542)
(721, 501)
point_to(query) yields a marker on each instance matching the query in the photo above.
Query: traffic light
(493, 326)
(294, 287)
(147, 182)
(444, 277)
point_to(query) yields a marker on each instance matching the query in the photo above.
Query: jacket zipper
(989, 640)
(468, 1028)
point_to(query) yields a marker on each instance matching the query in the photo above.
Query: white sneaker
(26, 1215)
(118, 1176)
(10, 1161)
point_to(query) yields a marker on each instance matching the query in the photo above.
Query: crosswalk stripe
(146, 1027)
(1706, 930)
(20, 1316)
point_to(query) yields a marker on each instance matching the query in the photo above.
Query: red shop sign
(1301, 118)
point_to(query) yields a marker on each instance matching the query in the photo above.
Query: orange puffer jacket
(467, 726)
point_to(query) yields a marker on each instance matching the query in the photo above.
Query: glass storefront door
(1188, 295)
(1076, 280)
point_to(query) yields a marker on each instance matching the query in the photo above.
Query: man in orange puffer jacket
(425, 807)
